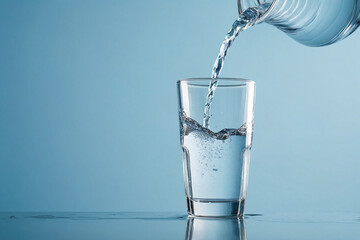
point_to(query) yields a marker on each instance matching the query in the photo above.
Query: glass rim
(204, 82)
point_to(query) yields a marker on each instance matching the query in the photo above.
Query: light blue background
(88, 107)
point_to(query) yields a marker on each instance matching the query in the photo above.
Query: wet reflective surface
(136, 225)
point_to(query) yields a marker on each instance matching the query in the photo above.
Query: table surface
(156, 225)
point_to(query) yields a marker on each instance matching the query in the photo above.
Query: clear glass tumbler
(216, 159)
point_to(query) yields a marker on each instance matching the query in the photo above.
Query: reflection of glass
(215, 228)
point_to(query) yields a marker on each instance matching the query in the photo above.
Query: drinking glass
(216, 159)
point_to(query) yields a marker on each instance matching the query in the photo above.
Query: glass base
(215, 208)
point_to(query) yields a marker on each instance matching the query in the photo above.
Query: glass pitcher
(311, 22)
